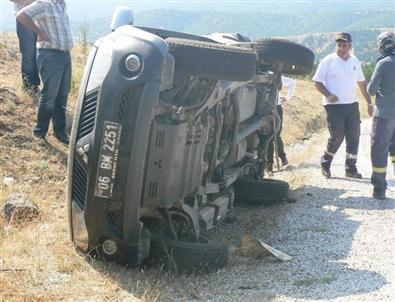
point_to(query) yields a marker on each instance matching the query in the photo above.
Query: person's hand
(283, 99)
(332, 98)
(42, 36)
(370, 109)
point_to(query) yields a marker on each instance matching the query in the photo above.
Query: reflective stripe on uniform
(351, 156)
(330, 153)
(379, 169)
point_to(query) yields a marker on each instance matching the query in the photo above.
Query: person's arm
(325, 92)
(23, 18)
(363, 88)
(375, 81)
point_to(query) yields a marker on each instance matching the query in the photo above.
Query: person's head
(343, 44)
(386, 42)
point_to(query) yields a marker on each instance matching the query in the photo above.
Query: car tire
(261, 191)
(213, 61)
(206, 255)
(294, 59)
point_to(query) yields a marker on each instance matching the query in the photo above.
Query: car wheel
(260, 191)
(213, 61)
(293, 58)
(207, 254)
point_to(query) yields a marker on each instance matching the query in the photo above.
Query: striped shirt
(21, 4)
(51, 17)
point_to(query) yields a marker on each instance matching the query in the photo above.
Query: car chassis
(170, 130)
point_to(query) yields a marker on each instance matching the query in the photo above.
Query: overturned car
(170, 130)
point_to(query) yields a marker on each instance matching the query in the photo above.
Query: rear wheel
(261, 191)
(206, 254)
(213, 61)
(285, 56)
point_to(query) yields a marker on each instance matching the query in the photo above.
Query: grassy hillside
(37, 260)
(364, 43)
(313, 30)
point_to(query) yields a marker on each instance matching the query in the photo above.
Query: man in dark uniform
(382, 85)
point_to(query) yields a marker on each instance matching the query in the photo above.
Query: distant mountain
(315, 31)
(364, 43)
(297, 20)
(92, 9)
(252, 24)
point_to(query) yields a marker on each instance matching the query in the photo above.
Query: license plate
(107, 166)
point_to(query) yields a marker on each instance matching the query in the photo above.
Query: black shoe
(379, 194)
(40, 136)
(62, 137)
(353, 174)
(284, 162)
(269, 168)
(326, 172)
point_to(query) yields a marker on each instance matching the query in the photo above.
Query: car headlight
(133, 63)
(109, 247)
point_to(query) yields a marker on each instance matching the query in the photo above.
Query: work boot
(284, 162)
(62, 137)
(378, 194)
(326, 161)
(326, 172)
(39, 136)
(269, 168)
(353, 173)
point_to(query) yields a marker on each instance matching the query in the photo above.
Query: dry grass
(303, 114)
(37, 260)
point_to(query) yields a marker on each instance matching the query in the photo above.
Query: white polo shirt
(291, 85)
(340, 77)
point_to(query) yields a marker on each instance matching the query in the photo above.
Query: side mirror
(122, 16)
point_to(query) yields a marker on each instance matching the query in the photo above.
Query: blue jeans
(27, 46)
(55, 71)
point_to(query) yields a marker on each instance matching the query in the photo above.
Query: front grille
(126, 115)
(114, 219)
(79, 184)
(88, 115)
(153, 190)
(160, 139)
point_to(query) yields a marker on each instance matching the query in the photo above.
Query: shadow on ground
(315, 230)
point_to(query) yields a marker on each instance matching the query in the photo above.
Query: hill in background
(311, 23)
(316, 31)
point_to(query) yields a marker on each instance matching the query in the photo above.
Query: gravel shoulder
(342, 240)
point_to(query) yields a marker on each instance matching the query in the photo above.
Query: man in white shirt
(336, 79)
(291, 85)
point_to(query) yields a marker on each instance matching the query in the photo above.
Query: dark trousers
(55, 71)
(382, 143)
(280, 144)
(343, 123)
(392, 149)
(27, 46)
